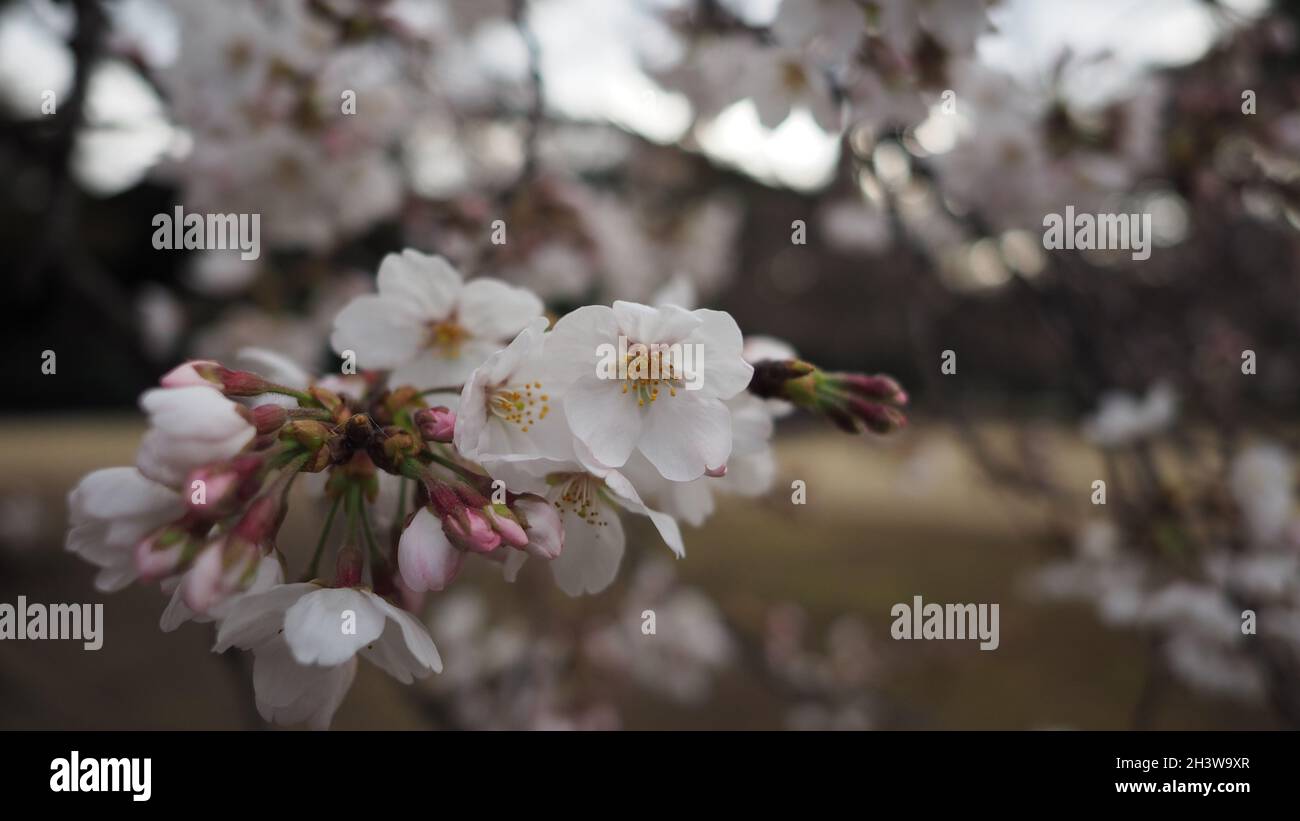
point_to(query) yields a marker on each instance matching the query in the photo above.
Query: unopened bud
(505, 523)
(269, 418)
(191, 374)
(216, 490)
(436, 424)
(879, 388)
(470, 530)
(309, 433)
(163, 552)
(878, 418)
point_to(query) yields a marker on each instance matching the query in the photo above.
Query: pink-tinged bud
(470, 530)
(545, 528)
(215, 375)
(879, 388)
(261, 521)
(716, 473)
(199, 587)
(190, 374)
(877, 418)
(222, 568)
(443, 498)
(426, 557)
(504, 523)
(269, 418)
(436, 424)
(348, 568)
(162, 553)
(242, 383)
(216, 490)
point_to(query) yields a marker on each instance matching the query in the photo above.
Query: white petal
(275, 367)
(491, 309)
(726, 373)
(291, 693)
(405, 650)
(259, 617)
(427, 285)
(513, 564)
(433, 368)
(328, 627)
(119, 492)
(380, 331)
(572, 345)
(642, 323)
(604, 418)
(592, 552)
(626, 495)
(686, 434)
(426, 559)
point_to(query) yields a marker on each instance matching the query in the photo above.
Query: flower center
(650, 369)
(520, 405)
(578, 493)
(446, 337)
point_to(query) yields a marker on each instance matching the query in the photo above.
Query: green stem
(401, 500)
(324, 534)
(376, 558)
(301, 396)
(475, 479)
(289, 474)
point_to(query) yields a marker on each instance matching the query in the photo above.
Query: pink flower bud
(261, 521)
(512, 533)
(436, 424)
(221, 569)
(190, 374)
(878, 418)
(161, 553)
(215, 491)
(426, 558)
(269, 418)
(879, 388)
(206, 373)
(471, 531)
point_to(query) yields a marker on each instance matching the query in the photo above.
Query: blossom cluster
(463, 423)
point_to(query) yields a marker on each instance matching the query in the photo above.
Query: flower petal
(642, 323)
(428, 286)
(382, 331)
(592, 552)
(686, 434)
(491, 309)
(726, 373)
(426, 559)
(405, 650)
(605, 419)
(329, 626)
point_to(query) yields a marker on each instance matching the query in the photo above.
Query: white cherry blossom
(427, 324)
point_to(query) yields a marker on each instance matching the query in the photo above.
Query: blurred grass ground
(882, 523)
